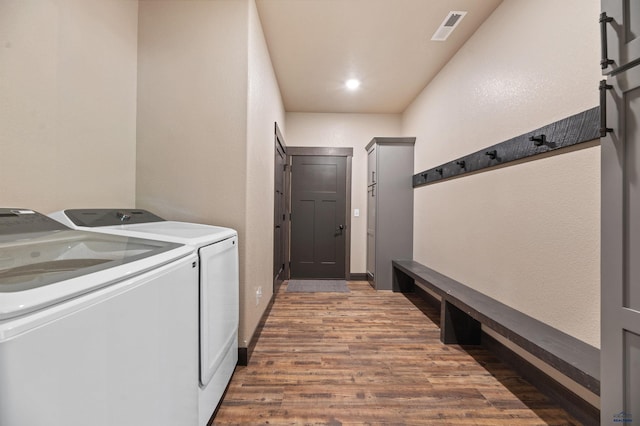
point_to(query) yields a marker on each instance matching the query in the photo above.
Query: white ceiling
(316, 45)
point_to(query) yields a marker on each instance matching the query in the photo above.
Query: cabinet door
(620, 284)
(371, 210)
(622, 34)
(371, 231)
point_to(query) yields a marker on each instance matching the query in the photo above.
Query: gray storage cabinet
(389, 207)
(620, 250)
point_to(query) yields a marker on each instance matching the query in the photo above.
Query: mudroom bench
(463, 310)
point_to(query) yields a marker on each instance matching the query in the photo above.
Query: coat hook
(492, 154)
(439, 171)
(424, 175)
(538, 140)
(461, 163)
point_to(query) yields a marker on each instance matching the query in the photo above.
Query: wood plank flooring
(370, 357)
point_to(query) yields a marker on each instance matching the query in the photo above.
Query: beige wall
(528, 234)
(346, 130)
(192, 110)
(264, 109)
(67, 103)
(207, 103)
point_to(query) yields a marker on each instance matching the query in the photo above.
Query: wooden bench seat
(464, 309)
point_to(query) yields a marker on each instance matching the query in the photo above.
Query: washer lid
(143, 224)
(41, 268)
(20, 221)
(194, 234)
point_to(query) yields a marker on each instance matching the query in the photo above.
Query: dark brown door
(318, 203)
(279, 211)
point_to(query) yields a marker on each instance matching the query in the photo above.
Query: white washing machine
(217, 248)
(95, 329)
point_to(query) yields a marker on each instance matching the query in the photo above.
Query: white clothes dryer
(94, 329)
(217, 248)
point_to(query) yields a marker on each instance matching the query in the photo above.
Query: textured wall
(207, 103)
(192, 110)
(67, 103)
(346, 130)
(527, 234)
(192, 114)
(264, 108)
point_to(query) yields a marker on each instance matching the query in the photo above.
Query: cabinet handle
(603, 108)
(373, 176)
(605, 61)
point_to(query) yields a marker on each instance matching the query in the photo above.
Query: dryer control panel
(109, 217)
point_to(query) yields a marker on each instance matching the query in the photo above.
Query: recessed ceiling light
(352, 84)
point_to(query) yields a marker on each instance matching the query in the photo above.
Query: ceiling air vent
(450, 22)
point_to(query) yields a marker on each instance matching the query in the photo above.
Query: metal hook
(439, 171)
(492, 154)
(461, 163)
(538, 140)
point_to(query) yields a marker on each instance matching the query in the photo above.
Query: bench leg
(457, 327)
(401, 282)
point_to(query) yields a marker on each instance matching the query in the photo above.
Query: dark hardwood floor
(370, 357)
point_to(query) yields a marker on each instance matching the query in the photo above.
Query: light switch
(356, 212)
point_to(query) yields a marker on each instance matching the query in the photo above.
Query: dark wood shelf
(573, 130)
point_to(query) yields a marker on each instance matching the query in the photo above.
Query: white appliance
(95, 329)
(217, 249)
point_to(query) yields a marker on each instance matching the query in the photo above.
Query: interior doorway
(280, 228)
(320, 203)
